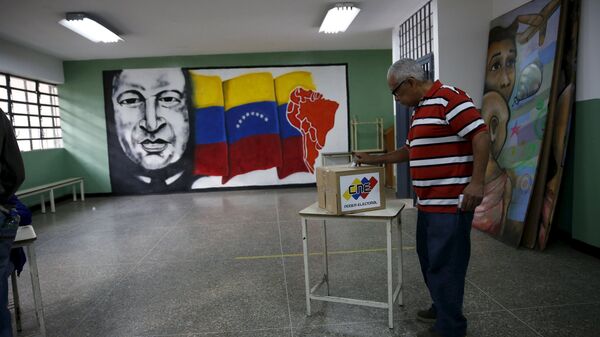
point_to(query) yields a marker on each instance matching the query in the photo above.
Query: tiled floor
(169, 265)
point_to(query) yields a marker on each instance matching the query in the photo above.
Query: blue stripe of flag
(259, 118)
(210, 125)
(287, 130)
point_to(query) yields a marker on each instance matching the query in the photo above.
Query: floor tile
(567, 320)
(211, 264)
(184, 298)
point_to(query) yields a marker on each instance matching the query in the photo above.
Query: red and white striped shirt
(440, 147)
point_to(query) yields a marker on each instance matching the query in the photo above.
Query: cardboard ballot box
(344, 189)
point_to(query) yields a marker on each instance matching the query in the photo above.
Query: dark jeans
(444, 248)
(7, 236)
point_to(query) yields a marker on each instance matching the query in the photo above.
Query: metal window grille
(416, 37)
(33, 108)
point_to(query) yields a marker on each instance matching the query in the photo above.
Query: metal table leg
(82, 193)
(325, 257)
(74, 192)
(35, 285)
(306, 271)
(17, 304)
(400, 263)
(43, 203)
(390, 284)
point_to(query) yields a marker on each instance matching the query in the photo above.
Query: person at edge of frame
(12, 175)
(448, 148)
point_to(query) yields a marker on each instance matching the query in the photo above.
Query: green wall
(82, 102)
(577, 214)
(45, 166)
(586, 181)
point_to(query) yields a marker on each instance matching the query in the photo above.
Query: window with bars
(33, 108)
(416, 39)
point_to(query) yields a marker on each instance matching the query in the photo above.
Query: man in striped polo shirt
(448, 148)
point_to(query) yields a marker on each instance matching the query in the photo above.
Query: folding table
(386, 216)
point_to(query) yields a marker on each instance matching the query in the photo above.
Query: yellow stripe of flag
(286, 83)
(248, 88)
(208, 90)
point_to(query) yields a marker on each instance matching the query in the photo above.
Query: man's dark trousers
(444, 248)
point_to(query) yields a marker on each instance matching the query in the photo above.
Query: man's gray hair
(405, 68)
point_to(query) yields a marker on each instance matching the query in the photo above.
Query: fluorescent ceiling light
(339, 18)
(89, 28)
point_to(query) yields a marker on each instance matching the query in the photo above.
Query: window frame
(43, 127)
(416, 34)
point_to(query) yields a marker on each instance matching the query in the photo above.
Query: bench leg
(37, 292)
(52, 206)
(74, 192)
(43, 203)
(81, 188)
(17, 305)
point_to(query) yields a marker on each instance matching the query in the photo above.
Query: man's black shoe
(426, 316)
(429, 333)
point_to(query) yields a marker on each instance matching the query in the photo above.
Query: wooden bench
(50, 188)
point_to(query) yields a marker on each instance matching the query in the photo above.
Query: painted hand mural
(314, 116)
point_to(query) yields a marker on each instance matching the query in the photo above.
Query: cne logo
(360, 188)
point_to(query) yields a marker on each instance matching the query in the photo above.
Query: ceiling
(195, 27)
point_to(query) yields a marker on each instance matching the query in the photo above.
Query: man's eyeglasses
(394, 91)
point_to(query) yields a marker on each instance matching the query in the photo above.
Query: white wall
(22, 61)
(460, 40)
(434, 33)
(413, 7)
(462, 34)
(588, 52)
(501, 7)
(460, 46)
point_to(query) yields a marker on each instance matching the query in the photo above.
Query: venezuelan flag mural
(210, 118)
(181, 129)
(252, 124)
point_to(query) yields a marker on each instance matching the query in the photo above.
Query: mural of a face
(500, 67)
(495, 113)
(151, 115)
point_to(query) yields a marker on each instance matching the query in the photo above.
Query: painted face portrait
(500, 68)
(495, 113)
(501, 61)
(151, 116)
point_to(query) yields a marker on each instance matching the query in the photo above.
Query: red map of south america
(314, 117)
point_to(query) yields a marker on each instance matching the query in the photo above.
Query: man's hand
(364, 158)
(473, 194)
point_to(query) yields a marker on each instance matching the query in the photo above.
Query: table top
(25, 234)
(329, 154)
(391, 210)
